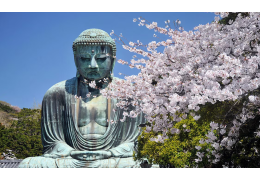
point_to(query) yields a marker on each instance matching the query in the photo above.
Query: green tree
(24, 135)
(177, 151)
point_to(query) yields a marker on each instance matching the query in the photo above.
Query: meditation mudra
(76, 127)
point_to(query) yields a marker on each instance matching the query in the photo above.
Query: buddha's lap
(42, 162)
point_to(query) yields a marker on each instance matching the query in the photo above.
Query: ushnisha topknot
(94, 37)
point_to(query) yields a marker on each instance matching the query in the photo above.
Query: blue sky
(36, 48)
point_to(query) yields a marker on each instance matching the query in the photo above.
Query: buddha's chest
(92, 115)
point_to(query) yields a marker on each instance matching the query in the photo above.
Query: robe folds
(60, 132)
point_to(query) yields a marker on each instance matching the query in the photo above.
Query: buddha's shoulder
(61, 86)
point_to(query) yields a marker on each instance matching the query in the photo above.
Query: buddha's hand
(57, 155)
(90, 155)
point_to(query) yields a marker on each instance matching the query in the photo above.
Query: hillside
(8, 113)
(20, 131)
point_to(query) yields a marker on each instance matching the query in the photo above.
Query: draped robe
(60, 132)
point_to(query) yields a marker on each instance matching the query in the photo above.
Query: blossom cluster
(214, 62)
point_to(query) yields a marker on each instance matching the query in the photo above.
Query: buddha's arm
(53, 115)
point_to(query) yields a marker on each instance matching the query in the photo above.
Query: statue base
(43, 162)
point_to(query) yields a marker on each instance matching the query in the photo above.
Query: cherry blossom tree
(214, 62)
(16, 108)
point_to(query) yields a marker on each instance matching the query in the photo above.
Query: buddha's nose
(93, 63)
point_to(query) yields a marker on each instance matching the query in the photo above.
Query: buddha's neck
(93, 91)
(84, 87)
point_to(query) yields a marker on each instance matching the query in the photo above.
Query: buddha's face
(94, 62)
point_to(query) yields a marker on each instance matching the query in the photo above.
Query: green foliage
(24, 135)
(6, 108)
(245, 152)
(221, 112)
(179, 150)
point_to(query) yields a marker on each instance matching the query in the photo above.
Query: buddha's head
(94, 51)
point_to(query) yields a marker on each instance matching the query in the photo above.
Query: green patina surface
(75, 131)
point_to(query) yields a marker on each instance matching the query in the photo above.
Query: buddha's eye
(85, 59)
(101, 59)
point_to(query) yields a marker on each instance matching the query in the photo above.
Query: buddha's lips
(93, 72)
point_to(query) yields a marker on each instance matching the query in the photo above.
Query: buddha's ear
(113, 65)
(77, 74)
